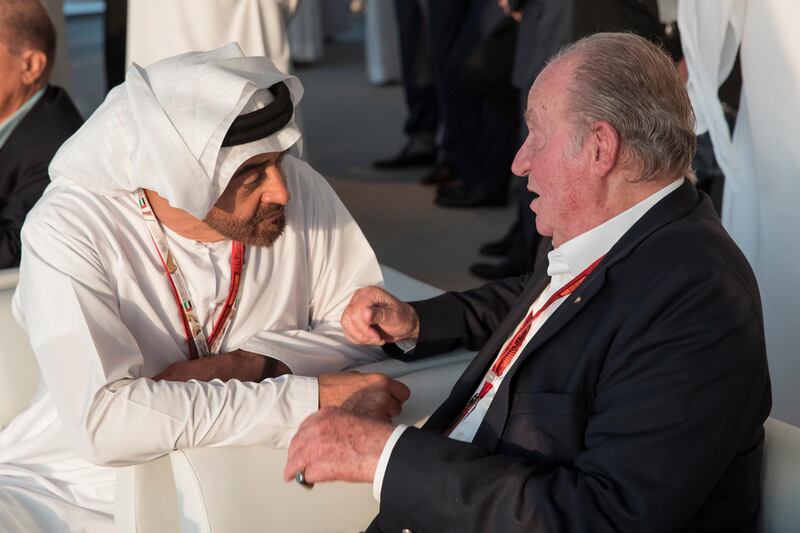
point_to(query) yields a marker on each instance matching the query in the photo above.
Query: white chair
(18, 368)
(780, 478)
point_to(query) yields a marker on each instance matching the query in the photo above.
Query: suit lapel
(475, 371)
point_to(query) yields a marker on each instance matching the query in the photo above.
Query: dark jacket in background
(24, 159)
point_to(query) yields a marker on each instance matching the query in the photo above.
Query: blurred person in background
(158, 29)
(473, 46)
(419, 89)
(35, 117)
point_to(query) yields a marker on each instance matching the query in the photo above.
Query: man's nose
(276, 191)
(520, 164)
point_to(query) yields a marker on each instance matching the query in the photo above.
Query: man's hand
(240, 364)
(375, 317)
(506, 7)
(368, 395)
(333, 444)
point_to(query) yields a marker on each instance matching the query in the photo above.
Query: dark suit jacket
(638, 407)
(24, 159)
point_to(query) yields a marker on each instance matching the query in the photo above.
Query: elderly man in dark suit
(624, 389)
(35, 118)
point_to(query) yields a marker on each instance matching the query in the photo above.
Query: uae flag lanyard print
(199, 346)
(505, 358)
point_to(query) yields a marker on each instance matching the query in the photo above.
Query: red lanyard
(198, 345)
(223, 320)
(510, 351)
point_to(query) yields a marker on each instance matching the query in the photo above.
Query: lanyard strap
(199, 346)
(505, 357)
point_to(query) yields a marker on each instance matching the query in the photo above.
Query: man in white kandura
(158, 29)
(179, 225)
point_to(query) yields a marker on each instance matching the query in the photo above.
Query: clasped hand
(375, 317)
(239, 364)
(345, 438)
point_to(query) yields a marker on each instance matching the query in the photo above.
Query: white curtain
(761, 160)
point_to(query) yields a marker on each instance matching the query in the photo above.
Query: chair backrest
(18, 368)
(780, 478)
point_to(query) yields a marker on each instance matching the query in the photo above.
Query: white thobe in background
(158, 29)
(305, 32)
(760, 161)
(101, 318)
(382, 42)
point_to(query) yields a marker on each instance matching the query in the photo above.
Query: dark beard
(248, 231)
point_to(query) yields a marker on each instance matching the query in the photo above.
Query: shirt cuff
(300, 396)
(383, 461)
(406, 345)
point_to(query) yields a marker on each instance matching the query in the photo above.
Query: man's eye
(254, 180)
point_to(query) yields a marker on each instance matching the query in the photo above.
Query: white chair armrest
(18, 368)
(151, 487)
(9, 278)
(780, 478)
(242, 489)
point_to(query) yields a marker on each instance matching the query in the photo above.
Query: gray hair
(27, 24)
(632, 84)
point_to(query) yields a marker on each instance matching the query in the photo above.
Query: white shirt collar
(575, 255)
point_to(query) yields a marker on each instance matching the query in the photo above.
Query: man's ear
(34, 67)
(605, 146)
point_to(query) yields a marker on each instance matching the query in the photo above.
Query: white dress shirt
(565, 263)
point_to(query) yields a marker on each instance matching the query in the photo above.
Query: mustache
(264, 213)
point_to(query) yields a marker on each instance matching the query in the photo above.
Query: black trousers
(479, 137)
(417, 65)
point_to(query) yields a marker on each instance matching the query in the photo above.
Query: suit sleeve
(465, 319)
(685, 372)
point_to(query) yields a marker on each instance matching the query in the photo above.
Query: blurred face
(555, 167)
(250, 209)
(11, 86)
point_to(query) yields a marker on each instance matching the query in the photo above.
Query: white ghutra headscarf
(163, 128)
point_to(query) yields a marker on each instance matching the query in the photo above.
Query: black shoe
(443, 173)
(502, 247)
(490, 271)
(416, 152)
(447, 186)
(465, 196)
